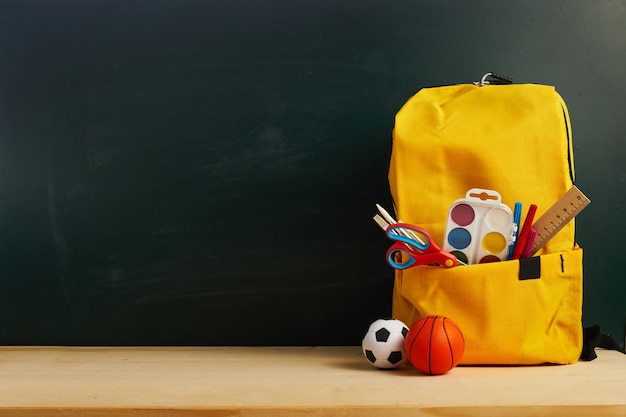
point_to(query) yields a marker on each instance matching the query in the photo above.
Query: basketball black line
(415, 337)
(445, 331)
(459, 330)
(430, 341)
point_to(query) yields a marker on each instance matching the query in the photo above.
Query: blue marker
(517, 218)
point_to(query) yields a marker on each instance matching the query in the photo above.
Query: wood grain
(275, 381)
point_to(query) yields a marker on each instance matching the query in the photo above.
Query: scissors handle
(413, 246)
(399, 256)
(410, 235)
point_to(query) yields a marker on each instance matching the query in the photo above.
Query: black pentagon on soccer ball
(395, 357)
(404, 332)
(370, 356)
(382, 335)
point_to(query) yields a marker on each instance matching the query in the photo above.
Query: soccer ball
(383, 344)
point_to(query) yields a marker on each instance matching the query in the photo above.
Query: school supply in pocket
(558, 215)
(514, 139)
(413, 245)
(479, 228)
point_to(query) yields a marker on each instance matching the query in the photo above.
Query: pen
(523, 236)
(517, 217)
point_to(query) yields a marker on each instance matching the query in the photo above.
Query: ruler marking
(558, 215)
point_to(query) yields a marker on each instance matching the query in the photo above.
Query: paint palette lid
(479, 228)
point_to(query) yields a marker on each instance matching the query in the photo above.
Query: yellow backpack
(516, 140)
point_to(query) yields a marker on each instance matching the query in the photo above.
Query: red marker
(528, 247)
(520, 245)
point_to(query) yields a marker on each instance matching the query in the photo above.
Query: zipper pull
(495, 79)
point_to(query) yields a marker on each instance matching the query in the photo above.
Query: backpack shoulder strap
(593, 338)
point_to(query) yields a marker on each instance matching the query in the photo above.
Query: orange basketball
(434, 345)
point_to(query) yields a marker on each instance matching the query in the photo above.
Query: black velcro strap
(530, 268)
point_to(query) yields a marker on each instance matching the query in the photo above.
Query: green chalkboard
(205, 172)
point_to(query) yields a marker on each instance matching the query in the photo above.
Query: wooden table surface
(276, 381)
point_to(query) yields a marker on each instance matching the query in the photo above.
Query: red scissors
(413, 245)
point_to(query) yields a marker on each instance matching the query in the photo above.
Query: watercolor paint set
(479, 228)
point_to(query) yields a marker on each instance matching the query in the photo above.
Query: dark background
(205, 172)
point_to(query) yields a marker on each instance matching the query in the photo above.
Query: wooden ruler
(557, 216)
